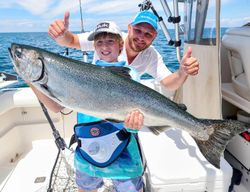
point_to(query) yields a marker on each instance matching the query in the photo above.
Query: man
(138, 52)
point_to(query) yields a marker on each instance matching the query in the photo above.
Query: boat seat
(175, 163)
(237, 43)
(24, 97)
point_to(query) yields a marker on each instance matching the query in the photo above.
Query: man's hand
(58, 28)
(134, 120)
(189, 64)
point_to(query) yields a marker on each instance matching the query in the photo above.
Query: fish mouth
(10, 53)
(14, 51)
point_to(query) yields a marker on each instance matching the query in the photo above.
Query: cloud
(122, 12)
(59, 7)
(40, 14)
(44, 8)
(23, 25)
(120, 7)
(46, 11)
(111, 7)
(35, 7)
(7, 4)
(234, 22)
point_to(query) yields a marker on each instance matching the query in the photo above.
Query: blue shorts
(86, 182)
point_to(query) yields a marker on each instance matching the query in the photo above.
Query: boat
(31, 159)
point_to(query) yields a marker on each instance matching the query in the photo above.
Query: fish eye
(18, 53)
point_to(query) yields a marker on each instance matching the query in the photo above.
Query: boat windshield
(200, 22)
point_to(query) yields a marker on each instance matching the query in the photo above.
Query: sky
(36, 15)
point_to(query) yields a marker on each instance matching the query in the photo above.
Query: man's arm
(58, 30)
(188, 66)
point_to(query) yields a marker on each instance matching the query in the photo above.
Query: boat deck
(30, 172)
(35, 166)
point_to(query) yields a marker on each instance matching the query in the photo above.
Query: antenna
(80, 5)
(85, 54)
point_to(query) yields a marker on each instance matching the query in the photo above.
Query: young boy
(108, 45)
(126, 171)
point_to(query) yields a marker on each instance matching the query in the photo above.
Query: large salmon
(101, 92)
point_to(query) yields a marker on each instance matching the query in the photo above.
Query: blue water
(42, 40)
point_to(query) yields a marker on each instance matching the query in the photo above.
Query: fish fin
(182, 106)
(224, 131)
(44, 89)
(123, 71)
(158, 129)
(114, 120)
(154, 129)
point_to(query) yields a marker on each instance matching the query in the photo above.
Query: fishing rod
(60, 143)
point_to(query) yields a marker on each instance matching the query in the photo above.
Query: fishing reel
(145, 5)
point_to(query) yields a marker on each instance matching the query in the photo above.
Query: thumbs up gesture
(189, 65)
(59, 27)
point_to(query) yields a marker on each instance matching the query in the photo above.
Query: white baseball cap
(105, 26)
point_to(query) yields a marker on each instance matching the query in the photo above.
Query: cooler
(174, 163)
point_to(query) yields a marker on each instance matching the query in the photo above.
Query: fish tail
(224, 131)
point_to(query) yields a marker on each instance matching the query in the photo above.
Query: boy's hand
(134, 120)
(59, 27)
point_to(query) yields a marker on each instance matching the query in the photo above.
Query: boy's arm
(58, 30)
(52, 105)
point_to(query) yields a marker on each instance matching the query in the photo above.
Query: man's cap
(146, 17)
(105, 26)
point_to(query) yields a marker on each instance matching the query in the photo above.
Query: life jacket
(106, 149)
(101, 143)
